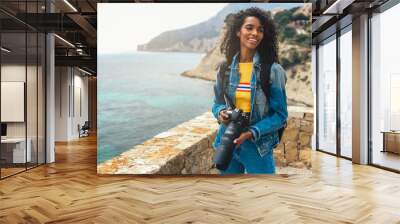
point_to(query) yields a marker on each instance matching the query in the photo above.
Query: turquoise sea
(142, 94)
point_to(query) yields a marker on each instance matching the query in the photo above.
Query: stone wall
(295, 147)
(184, 149)
(187, 148)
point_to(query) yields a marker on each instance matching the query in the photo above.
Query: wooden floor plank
(70, 191)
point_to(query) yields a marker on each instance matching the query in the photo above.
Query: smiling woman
(251, 103)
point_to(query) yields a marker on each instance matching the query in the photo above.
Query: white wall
(62, 81)
(80, 109)
(12, 73)
(71, 87)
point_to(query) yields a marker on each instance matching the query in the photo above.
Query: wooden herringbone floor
(69, 191)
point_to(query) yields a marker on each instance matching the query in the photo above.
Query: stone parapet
(187, 148)
(295, 147)
(184, 149)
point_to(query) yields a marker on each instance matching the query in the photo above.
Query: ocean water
(142, 94)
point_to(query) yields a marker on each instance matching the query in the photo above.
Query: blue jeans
(247, 159)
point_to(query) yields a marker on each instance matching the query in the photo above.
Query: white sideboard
(18, 144)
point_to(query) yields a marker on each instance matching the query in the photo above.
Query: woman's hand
(223, 117)
(243, 137)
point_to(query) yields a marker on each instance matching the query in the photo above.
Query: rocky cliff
(294, 35)
(203, 36)
(197, 38)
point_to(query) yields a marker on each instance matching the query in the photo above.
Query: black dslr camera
(237, 122)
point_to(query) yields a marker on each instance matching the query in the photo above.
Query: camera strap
(225, 72)
(228, 102)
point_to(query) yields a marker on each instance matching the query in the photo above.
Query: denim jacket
(266, 118)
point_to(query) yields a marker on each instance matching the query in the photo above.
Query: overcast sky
(122, 26)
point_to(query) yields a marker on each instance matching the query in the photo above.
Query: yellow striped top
(243, 94)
